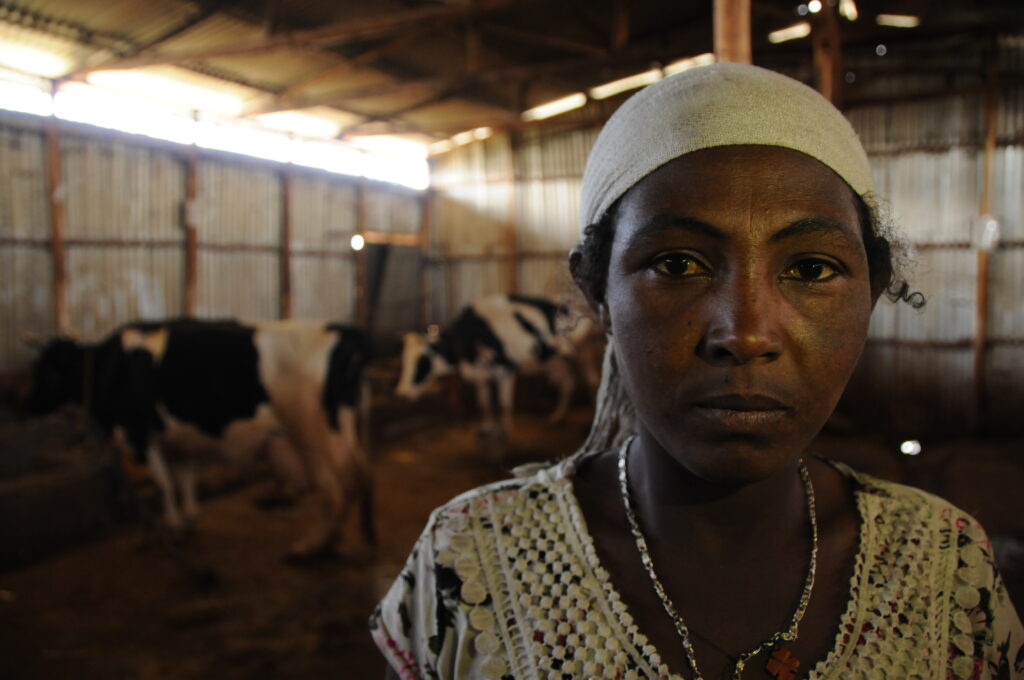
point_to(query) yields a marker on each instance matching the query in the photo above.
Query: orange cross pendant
(783, 664)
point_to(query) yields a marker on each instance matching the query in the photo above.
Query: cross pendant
(782, 664)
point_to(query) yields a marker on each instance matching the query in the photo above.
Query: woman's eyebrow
(814, 225)
(667, 222)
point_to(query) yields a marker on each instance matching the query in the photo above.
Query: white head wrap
(709, 106)
(716, 105)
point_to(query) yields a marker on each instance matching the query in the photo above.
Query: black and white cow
(172, 391)
(491, 340)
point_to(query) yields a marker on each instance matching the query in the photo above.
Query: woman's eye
(811, 271)
(680, 264)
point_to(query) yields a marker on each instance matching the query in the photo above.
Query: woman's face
(738, 298)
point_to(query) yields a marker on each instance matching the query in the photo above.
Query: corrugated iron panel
(26, 303)
(548, 214)
(237, 203)
(947, 280)
(910, 126)
(109, 286)
(24, 194)
(243, 285)
(142, 21)
(392, 211)
(1007, 194)
(323, 213)
(934, 197)
(1006, 302)
(472, 219)
(914, 389)
(323, 287)
(465, 281)
(546, 277)
(119, 191)
(1005, 386)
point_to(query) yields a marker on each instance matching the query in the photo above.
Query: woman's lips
(749, 412)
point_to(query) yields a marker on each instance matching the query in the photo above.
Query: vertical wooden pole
(732, 31)
(981, 293)
(61, 322)
(286, 245)
(827, 54)
(512, 223)
(191, 235)
(620, 25)
(425, 207)
(362, 290)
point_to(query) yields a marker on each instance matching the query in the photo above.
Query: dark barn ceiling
(437, 67)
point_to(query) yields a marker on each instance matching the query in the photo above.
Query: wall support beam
(61, 322)
(982, 287)
(827, 54)
(732, 31)
(191, 235)
(286, 246)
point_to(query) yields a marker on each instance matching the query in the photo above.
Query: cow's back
(310, 369)
(523, 328)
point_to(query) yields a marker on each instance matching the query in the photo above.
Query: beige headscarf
(717, 105)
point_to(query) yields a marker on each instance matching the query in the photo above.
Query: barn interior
(384, 164)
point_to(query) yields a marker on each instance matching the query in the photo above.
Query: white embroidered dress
(505, 583)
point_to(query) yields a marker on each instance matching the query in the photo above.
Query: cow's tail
(366, 483)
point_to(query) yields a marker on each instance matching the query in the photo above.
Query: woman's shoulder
(903, 502)
(528, 483)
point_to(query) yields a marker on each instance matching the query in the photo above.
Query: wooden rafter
(550, 41)
(206, 10)
(328, 36)
(290, 97)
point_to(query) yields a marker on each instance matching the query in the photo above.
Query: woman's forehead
(768, 179)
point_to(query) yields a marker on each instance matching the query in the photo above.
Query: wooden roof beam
(331, 35)
(549, 41)
(290, 97)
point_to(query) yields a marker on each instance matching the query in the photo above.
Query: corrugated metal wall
(124, 230)
(26, 301)
(928, 162)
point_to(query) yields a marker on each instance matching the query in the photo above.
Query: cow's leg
(483, 400)
(186, 474)
(162, 476)
(323, 534)
(560, 374)
(506, 399)
(353, 467)
(290, 476)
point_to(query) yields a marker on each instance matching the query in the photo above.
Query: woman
(730, 252)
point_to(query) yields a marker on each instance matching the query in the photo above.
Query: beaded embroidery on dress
(505, 583)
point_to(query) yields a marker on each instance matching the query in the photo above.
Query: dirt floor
(224, 605)
(130, 605)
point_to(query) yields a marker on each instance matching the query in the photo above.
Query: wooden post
(425, 207)
(512, 223)
(362, 303)
(827, 54)
(620, 25)
(61, 322)
(981, 293)
(286, 245)
(191, 235)
(732, 31)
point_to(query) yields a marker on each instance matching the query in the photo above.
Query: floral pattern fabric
(504, 583)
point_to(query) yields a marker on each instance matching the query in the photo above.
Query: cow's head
(57, 375)
(422, 363)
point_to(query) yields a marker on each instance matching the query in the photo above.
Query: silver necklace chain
(788, 635)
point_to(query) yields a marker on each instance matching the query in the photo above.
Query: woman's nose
(743, 325)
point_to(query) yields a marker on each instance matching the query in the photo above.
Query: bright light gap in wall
(556, 107)
(898, 20)
(286, 137)
(848, 8)
(794, 32)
